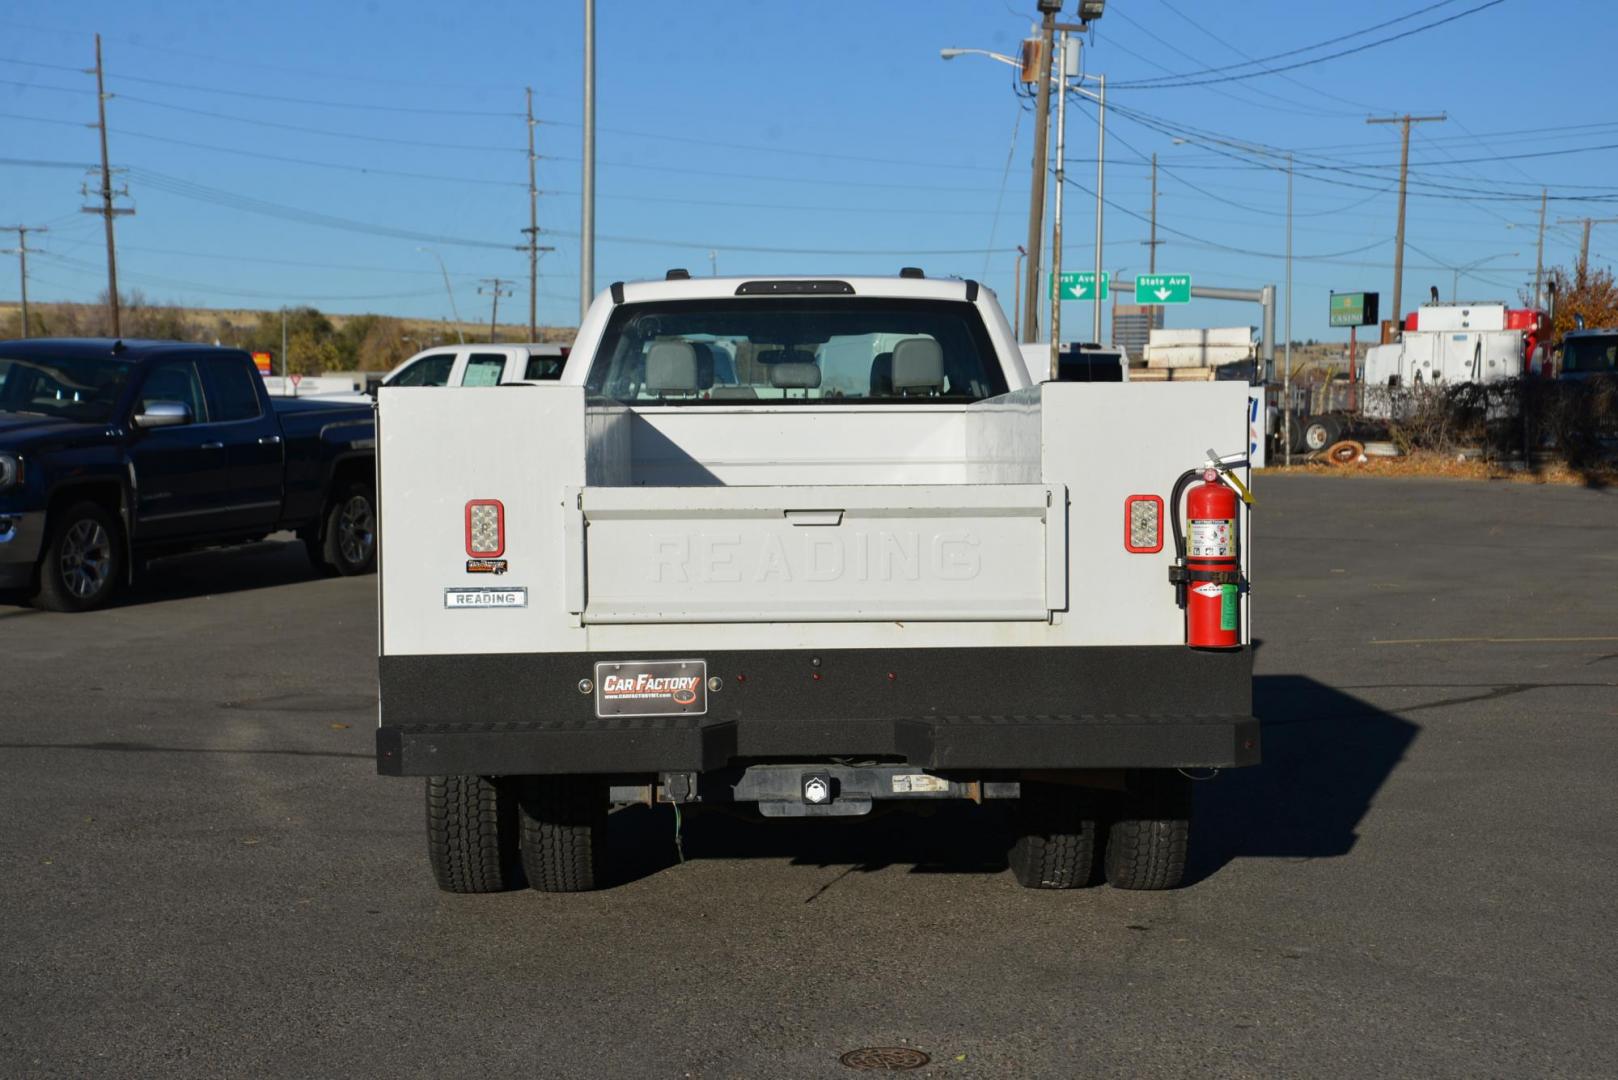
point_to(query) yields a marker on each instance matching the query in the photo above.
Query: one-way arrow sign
(1162, 288)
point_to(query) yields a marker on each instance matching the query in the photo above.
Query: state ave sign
(1162, 288)
(1080, 285)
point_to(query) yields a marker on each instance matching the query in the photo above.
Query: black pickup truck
(112, 452)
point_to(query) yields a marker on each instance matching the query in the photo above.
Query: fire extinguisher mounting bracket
(1179, 575)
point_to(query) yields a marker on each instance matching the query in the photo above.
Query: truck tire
(83, 562)
(1055, 838)
(1148, 837)
(472, 834)
(564, 832)
(350, 534)
(1320, 432)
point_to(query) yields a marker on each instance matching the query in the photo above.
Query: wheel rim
(86, 562)
(1314, 437)
(356, 529)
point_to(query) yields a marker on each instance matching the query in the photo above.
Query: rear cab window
(232, 389)
(796, 351)
(545, 366)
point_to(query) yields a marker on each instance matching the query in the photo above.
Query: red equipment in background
(1213, 570)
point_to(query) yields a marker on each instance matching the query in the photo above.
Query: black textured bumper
(1021, 708)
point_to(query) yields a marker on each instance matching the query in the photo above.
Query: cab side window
(174, 380)
(428, 371)
(484, 369)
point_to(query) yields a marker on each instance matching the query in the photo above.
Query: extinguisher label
(1228, 607)
(1212, 538)
(1208, 589)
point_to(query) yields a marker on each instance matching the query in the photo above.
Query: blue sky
(786, 137)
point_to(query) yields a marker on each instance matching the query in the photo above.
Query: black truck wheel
(472, 834)
(1054, 843)
(1148, 837)
(350, 535)
(564, 832)
(83, 562)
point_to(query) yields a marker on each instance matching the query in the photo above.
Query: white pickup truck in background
(480, 365)
(808, 545)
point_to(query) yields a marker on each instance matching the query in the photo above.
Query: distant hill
(316, 340)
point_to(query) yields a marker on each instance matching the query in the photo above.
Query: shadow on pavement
(210, 572)
(955, 838)
(217, 571)
(1326, 755)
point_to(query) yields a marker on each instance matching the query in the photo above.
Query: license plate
(651, 688)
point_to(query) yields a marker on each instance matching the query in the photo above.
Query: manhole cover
(885, 1058)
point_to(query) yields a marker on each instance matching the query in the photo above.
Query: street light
(445, 270)
(1458, 272)
(1060, 81)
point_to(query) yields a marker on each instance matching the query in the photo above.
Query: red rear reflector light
(1143, 524)
(485, 528)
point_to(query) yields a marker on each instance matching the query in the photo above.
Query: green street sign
(1354, 308)
(1162, 288)
(1081, 285)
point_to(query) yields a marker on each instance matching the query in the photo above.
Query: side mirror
(158, 414)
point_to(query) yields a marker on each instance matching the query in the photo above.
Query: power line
(1119, 14)
(1183, 17)
(1194, 78)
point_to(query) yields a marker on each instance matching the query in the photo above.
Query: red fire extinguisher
(1208, 574)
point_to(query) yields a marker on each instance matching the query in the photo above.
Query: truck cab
(809, 545)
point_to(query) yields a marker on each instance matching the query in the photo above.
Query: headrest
(794, 375)
(671, 368)
(882, 375)
(918, 364)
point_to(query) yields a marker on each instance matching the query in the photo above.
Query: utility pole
(1101, 170)
(713, 263)
(1036, 194)
(496, 288)
(1539, 251)
(1056, 224)
(21, 251)
(1584, 244)
(1404, 171)
(533, 225)
(587, 226)
(107, 210)
(1154, 241)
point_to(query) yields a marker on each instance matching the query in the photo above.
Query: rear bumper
(948, 709)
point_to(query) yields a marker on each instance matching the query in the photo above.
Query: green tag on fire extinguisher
(1229, 605)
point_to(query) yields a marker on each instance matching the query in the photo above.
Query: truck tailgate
(818, 554)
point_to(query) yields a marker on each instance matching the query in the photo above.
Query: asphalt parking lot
(204, 876)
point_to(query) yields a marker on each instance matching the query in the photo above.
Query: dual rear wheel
(489, 834)
(1067, 837)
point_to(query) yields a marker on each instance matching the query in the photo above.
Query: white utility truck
(809, 545)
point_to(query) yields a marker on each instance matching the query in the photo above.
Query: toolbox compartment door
(949, 552)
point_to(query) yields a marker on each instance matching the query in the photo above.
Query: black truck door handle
(213, 446)
(269, 440)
